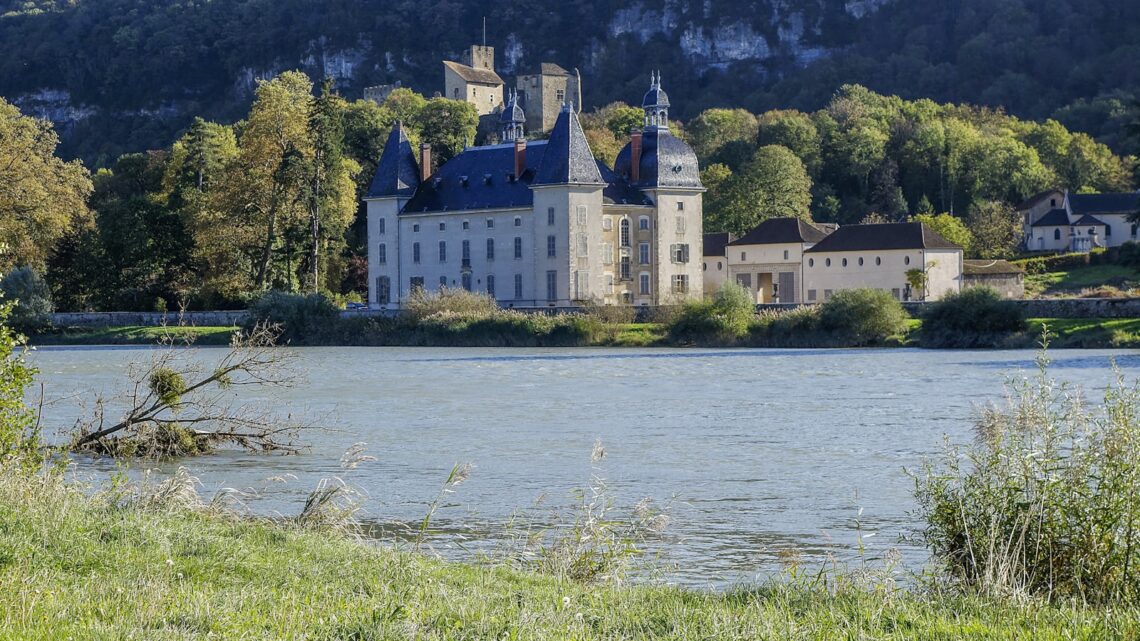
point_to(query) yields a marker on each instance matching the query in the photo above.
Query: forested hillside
(127, 75)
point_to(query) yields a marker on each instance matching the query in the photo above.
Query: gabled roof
(1089, 219)
(397, 173)
(882, 237)
(551, 69)
(471, 74)
(1053, 218)
(973, 267)
(568, 159)
(1118, 203)
(776, 231)
(716, 242)
(1037, 199)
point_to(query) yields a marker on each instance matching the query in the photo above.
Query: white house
(714, 264)
(768, 260)
(541, 222)
(1058, 220)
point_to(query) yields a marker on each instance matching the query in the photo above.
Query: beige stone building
(1002, 276)
(540, 223)
(475, 80)
(543, 94)
(714, 263)
(768, 260)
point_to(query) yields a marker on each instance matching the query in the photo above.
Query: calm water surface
(752, 451)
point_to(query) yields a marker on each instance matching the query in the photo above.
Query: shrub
(1052, 263)
(301, 317)
(860, 317)
(1129, 254)
(975, 317)
(725, 317)
(1046, 501)
(32, 300)
(460, 302)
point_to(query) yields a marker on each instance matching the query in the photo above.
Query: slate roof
(488, 184)
(471, 74)
(1089, 219)
(551, 69)
(1036, 199)
(716, 242)
(1118, 203)
(776, 231)
(1053, 218)
(882, 237)
(666, 161)
(972, 267)
(397, 173)
(567, 159)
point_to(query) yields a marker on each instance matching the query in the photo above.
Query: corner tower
(395, 181)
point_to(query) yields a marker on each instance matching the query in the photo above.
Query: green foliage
(724, 318)
(19, 433)
(712, 129)
(974, 317)
(949, 227)
(1129, 254)
(30, 300)
(862, 316)
(297, 315)
(1054, 262)
(1045, 503)
(448, 126)
(168, 385)
(996, 229)
(772, 184)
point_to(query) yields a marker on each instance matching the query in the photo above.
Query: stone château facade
(540, 223)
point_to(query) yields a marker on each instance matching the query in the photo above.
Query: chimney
(635, 155)
(425, 162)
(520, 158)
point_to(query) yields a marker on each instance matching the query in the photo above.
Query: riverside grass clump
(1045, 503)
(974, 317)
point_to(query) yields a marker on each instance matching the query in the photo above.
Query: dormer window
(435, 181)
(463, 180)
(486, 179)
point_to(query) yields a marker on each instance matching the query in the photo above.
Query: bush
(974, 317)
(1046, 501)
(32, 297)
(860, 317)
(460, 302)
(1055, 262)
(301, 317)
(724, 318)
(1129, 254)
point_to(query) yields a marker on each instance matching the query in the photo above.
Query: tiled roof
(471, 74)
(882, 237)
(972, 267)
(781, 230)
(397, 173)
(715, 243)
(666, 161)
(568, 159)
(1053, 218)
(1118, 203)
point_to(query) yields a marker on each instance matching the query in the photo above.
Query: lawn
(134, 335)
(1076, 279)
(77, 566)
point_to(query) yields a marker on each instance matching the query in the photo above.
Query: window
(490, 223)
(1107, 230)
(743, 256)
(583, 244)
(416, 227)
(785, 254)
(1092, 230)
(582, 218)
(860, 261)
(552, 285)
(381, 254)
(680, 284)
(518, 286)
(581, 285)
(811, 262)
(455, 93)
(609, 283)
(844, 262)
(624, 233)
(906, 260)
(1134, 230)
(442, 282)
(416, 253)
(744, 280)
(643, 223)
(643, 284)
(878, 261)
(466, 224)
(719, 266)
(560, 94)
(443, 251)
(897, 293)
(827, 262)
(466, 253)
(491, 285)
(643, 253)
(680, 224)
(518, 248)
(380, 225)
(679, 252)
(826, 294)
(607, 253)
(465, 279)
(549, 215)
(442, 226)
(607, 223)
(416, 284)
(551, 246)
(811, 295)
(1056, 234)
(680, 205)
(627, 298)
(518, 221)
(624, 275)
(383, 290)
(490, 249)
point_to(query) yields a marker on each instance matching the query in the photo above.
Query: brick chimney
(635, 155)
(425, 162)
(520, 158)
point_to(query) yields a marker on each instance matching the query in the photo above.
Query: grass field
(1074, 280)
(135, 335)
(77, 567)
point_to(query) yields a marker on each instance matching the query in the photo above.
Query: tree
(448, 126)
(773, 184)
(949, 227)
(996, 229)
(42, 198)
(712, 129)
(27, 298)
(331, 190)
(796, 131)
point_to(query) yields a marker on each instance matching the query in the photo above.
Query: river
(752, 453)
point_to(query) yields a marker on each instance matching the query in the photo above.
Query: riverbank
(1086, 333)
(117, 565)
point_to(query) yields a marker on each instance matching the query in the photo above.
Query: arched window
(1056, 234)
(625, 232)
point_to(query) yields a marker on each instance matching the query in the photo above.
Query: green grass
(1074, 280)
(1090, 332)
(636, 334)
(90, 568)
(134, 335)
